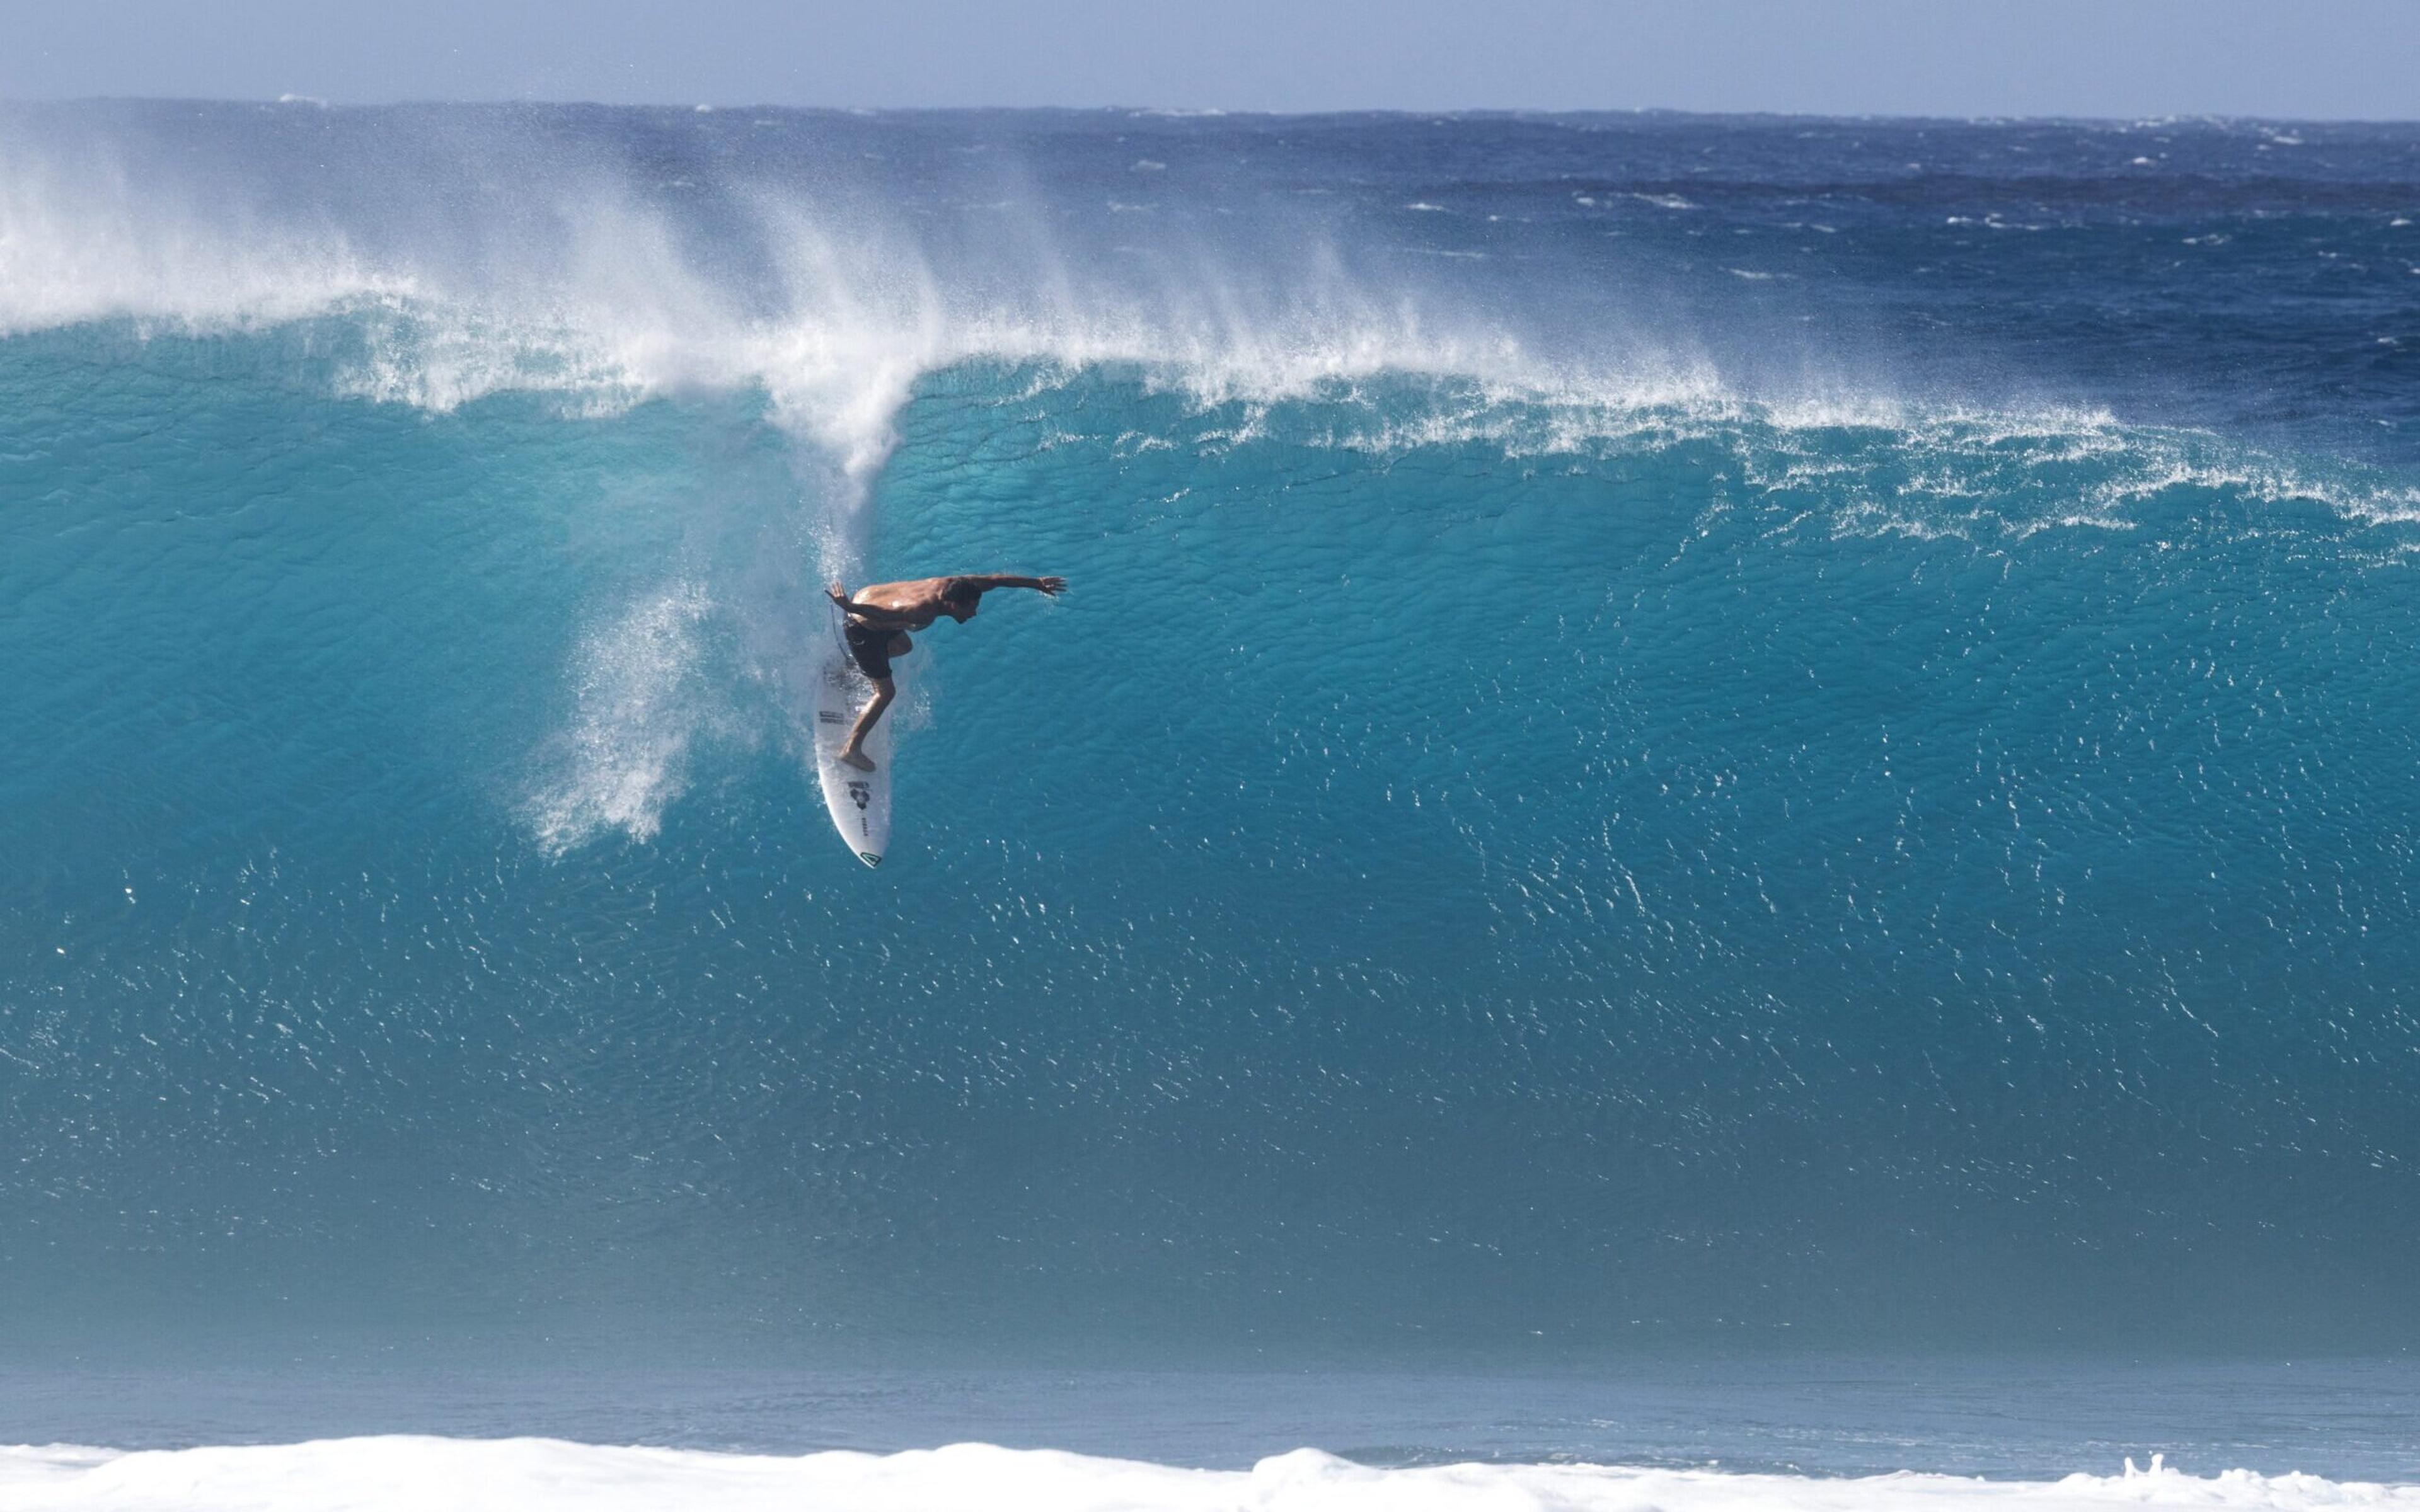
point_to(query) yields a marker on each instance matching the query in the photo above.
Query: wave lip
(409, 1472)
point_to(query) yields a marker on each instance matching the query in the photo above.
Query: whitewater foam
(530, 1475)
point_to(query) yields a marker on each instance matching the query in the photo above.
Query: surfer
(881, 615)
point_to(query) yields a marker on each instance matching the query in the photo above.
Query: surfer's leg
(854, 753)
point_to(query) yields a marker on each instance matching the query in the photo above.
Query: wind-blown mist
(1665, 733)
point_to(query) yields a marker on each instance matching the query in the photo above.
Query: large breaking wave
(1578, 795)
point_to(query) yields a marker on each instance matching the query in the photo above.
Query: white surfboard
(859, 802)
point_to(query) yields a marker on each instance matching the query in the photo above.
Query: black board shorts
(869, 647)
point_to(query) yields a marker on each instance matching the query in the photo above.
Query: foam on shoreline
(402, 1471)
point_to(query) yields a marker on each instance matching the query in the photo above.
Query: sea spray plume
(601, 304)
(82, 241)
(862, 317)
(640, 702)
(493, 258)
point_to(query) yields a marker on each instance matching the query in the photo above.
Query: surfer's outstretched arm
(984, 583)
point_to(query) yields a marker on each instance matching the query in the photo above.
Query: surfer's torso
(906, 606)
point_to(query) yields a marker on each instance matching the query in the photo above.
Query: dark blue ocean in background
(1673, 739)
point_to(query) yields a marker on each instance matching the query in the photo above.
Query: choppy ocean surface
(1673, 741)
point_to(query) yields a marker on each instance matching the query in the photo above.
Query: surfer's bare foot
(857, 759)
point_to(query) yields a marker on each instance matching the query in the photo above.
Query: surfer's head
(960, 599)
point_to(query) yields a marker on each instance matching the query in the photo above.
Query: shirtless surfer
(881, 615)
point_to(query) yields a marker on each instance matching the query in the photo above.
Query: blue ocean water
(1672, 739)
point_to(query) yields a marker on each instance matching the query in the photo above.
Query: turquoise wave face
(1491, 854)
(1474, 884)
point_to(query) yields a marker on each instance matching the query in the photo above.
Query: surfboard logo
(860, 794)
(869, 857)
